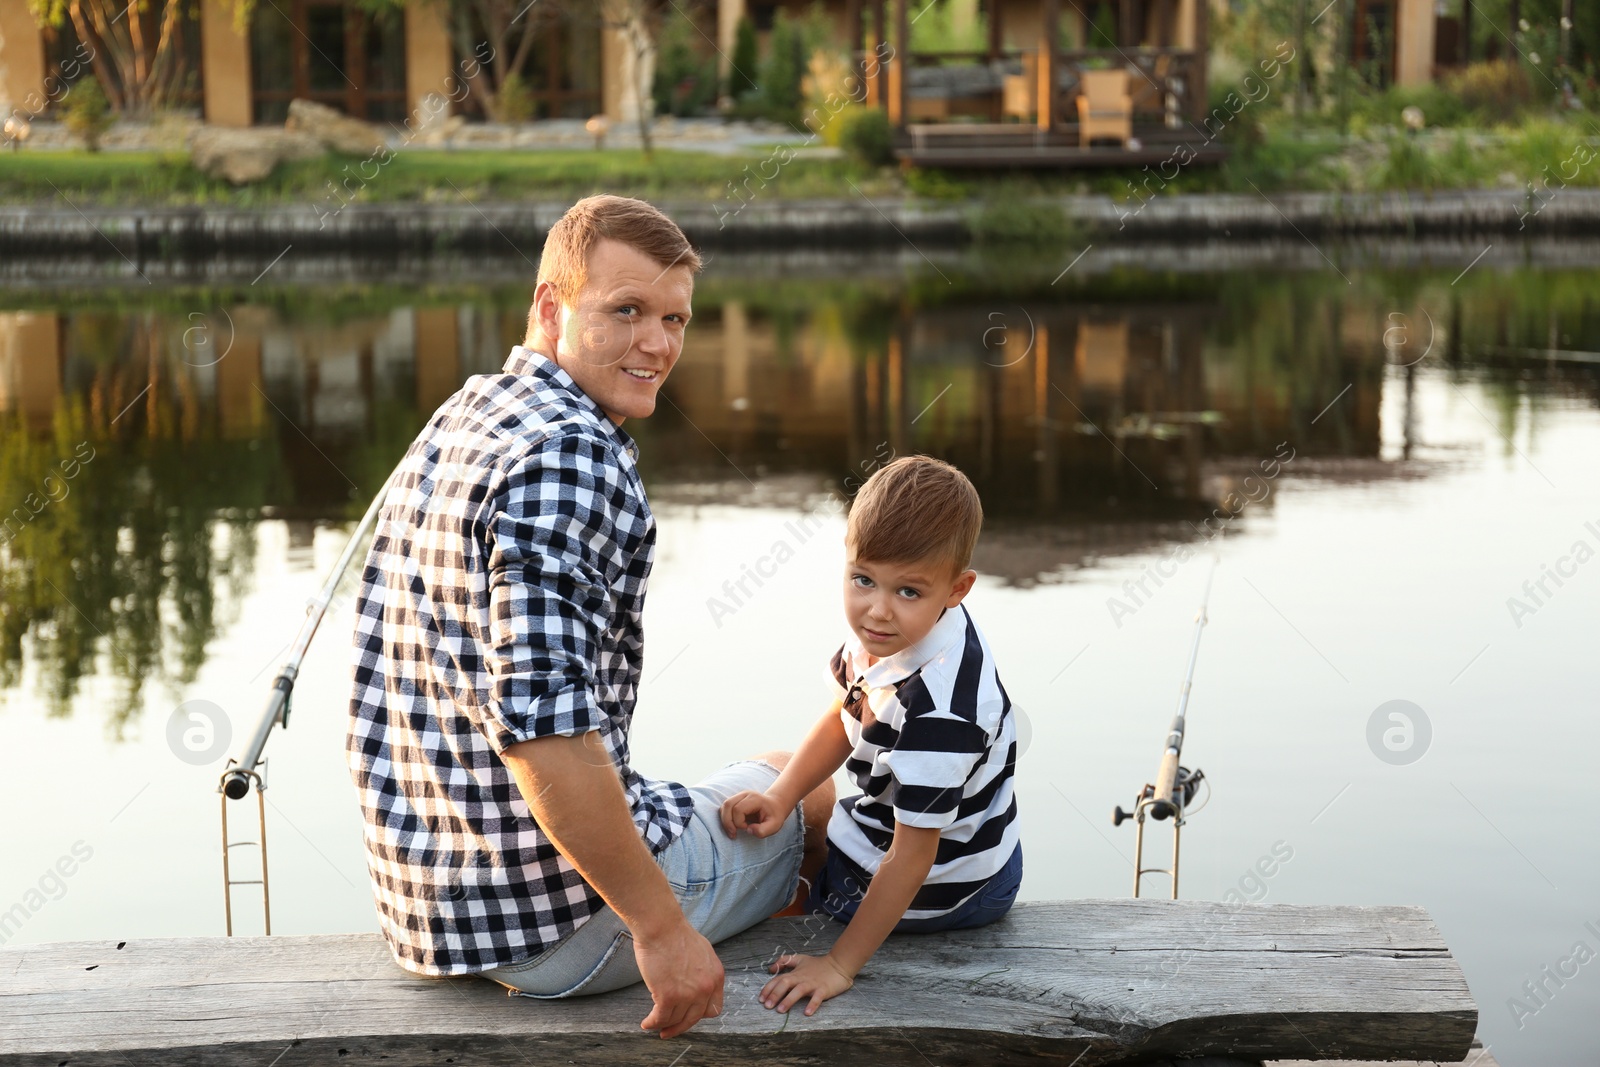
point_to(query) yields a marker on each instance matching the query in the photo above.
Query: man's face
(622, 335)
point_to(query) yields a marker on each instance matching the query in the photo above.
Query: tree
(133, 46)
(635, 20)
(508, 28)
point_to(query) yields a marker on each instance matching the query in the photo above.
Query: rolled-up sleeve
(553, 562)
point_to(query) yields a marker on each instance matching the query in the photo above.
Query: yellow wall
(428, 54)
(1415, 27)
(729, 12)
(30, 365)
(438, 355)
(225, 66)
(241, 403)
(613, 61)
(21, 57)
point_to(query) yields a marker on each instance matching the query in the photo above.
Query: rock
(432, 123)
(334, 129)
(248, 154)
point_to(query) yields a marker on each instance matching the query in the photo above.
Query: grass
(1270, 156)
(121, 178)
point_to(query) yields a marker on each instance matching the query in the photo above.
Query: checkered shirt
(501, 601)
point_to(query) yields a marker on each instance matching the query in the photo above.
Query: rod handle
(1162, 807)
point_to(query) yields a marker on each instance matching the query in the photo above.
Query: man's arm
(555, 565)
(575, 796)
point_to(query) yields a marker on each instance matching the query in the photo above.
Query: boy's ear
(962, 586)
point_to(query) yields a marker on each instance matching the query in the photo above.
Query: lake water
(1392, 462)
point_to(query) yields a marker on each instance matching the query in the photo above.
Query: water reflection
(1098, 417)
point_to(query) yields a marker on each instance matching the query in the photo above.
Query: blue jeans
(724, 885)
(841, 885)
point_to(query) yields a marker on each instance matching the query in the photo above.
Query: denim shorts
(841, 886)
(724, 885)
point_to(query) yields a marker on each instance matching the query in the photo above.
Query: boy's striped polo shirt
(934, 745)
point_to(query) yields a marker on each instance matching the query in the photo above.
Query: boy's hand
(757, 813)
(817, 977)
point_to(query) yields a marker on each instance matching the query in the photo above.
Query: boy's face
(892, 606)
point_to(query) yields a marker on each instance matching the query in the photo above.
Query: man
(498, 649)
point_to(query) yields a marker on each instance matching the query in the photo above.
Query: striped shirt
(933, 745)
(501, 600)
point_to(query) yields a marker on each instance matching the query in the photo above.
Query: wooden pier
(1085, 982)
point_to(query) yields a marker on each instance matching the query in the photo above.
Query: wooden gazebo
(1035, 103)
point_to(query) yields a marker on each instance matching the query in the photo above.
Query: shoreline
(107, 271)
(144, 234)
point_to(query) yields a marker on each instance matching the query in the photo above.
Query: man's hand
(817, 977)
(684, 976)
(574, 793)
(760, 814)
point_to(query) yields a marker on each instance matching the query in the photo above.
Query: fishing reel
(1168, 800)
(1185, 786)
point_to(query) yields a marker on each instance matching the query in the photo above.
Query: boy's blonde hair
(564, 263)
(916, 508)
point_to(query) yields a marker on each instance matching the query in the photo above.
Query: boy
(922, 725)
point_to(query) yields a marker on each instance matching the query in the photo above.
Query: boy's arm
(822, 752)
(903, 870)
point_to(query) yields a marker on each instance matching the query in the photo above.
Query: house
(1407, 42)
(333, 51)
(1028, 72)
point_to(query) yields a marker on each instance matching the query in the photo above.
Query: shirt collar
(951, 629)
(527, 362)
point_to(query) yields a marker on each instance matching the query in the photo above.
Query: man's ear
(545, 318)
(962, 586)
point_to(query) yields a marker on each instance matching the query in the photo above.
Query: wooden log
(1082, 982)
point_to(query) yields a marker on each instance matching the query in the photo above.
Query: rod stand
(226, 788)
(1141, 809)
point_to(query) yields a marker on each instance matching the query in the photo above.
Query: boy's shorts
(724, 885)
(841, 886)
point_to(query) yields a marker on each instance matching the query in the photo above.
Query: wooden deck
(1074, 982)
(962, 145)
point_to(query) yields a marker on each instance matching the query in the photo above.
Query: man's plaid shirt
(501, 601)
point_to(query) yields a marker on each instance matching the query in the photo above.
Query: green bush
(1497, 91)
(514, 102)
(685, 80)
(936, 184)
(1439, 106)
(86, 111)
(779, 95)
(746, 60)
(865, 135)
(1020, 222)
(1408, 166)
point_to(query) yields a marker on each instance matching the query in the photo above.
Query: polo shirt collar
(527, 362)
(951, 629)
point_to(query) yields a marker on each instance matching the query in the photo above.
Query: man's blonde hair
(916, 508)
(564, 263)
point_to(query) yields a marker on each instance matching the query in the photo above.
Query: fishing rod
(242, 773)
(1175, 785)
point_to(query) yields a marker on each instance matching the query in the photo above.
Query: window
(331, 52)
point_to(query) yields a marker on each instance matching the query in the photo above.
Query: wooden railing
(1167, 85)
